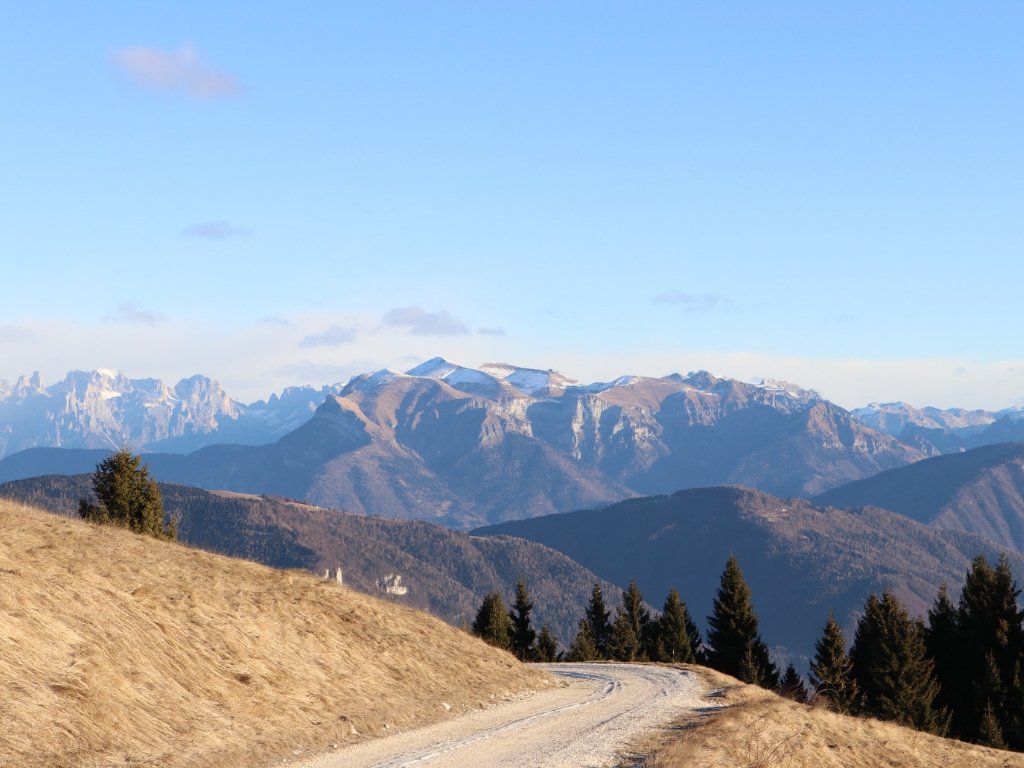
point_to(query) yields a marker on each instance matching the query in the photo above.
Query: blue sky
(831, 193)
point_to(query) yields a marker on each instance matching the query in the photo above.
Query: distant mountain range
(105, 409)
(469, 446)
(945, 431)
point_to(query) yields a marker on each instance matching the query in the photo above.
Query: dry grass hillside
(757, 729)
(117, 649)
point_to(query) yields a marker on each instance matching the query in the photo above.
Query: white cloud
(131, 314)
(179, 71)
(423, 323)
(334, 336)
(214, 230)
(491, 331)
(691, 302)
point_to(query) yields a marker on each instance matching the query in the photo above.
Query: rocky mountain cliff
(105, 409)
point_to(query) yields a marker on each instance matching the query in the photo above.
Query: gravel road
(584, 723)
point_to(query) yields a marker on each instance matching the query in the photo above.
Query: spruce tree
(583, 647)
(892, 669)
(598, 619)
(942, 638)
(631, 630)
(624, 645)
(491, 623)
(521, 636)
(547, 646)
(127, 496)
(791, 686)
(990, 732)
(736, 647)
(673, 642)
(831, 669)
(991, 645)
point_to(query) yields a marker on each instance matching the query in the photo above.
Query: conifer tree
(127, 496)
(598, 619)
(991, 646)
(624, 645)
(831, 669)
(791, 686)
(547, 646)
(521, 636)
(942, 639)
(631, 630)
(990, 732)
(673, 642)
(892, 669)
(491, 623)
(736, 647)
(583, 647)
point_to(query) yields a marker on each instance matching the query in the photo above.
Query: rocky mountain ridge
(467, 446)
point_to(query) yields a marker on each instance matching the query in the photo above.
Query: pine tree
(547, 646)
(831, 669)
(127, 496)
(492, 624)
(672, 634)
(522, 635)
(597, 618)
(792, 686)
(892, 669)
(736, 647)
(583, 647)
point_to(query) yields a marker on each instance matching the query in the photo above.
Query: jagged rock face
(105, 409)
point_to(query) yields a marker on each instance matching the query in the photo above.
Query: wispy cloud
(334, 336)
(692, 302)
(278, 322)
(13, 334)
(423, 323)
(180, 71)
(214, 230)
(491, 331)
(131, 314)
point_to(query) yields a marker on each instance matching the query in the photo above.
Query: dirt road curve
(584, 723)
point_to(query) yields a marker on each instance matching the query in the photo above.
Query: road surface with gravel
(585, 722)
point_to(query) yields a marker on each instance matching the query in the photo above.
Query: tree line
(958, 674)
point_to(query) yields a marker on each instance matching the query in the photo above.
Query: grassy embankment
(117, 649)
(754, 728)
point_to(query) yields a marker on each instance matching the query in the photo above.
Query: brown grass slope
(117, 649)
(757, 729)
(445, 572)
